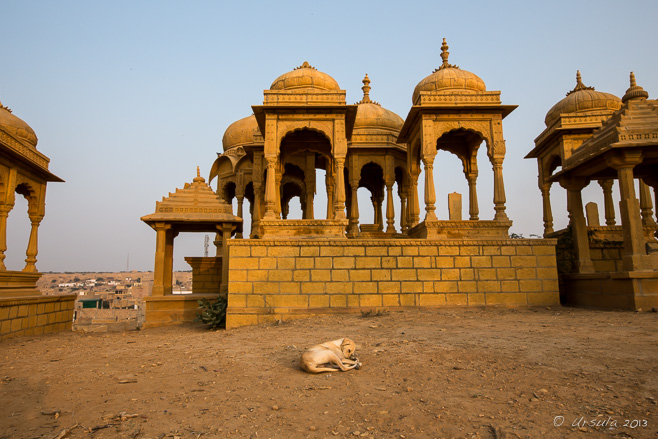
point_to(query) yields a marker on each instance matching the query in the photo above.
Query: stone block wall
(271, 280)
(206, 274)
(35, 315)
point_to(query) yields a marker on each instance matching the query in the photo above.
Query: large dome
(581, 99)
(305, 77)
(372, 115)
(240, 132)
(16, 127)
(449, 79)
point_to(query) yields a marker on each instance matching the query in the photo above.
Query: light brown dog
(330, 356)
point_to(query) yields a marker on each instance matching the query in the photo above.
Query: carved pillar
(329, 181)
(309, 179)
(473, 209)
(379, 217)
(390, 209)
(430, 196)
(4, 213)
(270, 188)
(646, 206)
(629, 212)
(161, 283)
(403, 211)
(224, 230)
(353, 227)
(32, 246)
(256, 212)
(340, 188)
(609, 207)
(578, 224)
(277, 206)
(546, 204)
(499, 190)
(414, 205)
(240, 199)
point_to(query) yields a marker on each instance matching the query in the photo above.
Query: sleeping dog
(330, 356)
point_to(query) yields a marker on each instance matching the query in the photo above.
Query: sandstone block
(318, 301)
(370, 300)
(432, 299)
(457, 299)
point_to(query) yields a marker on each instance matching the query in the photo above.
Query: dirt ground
(464, 373)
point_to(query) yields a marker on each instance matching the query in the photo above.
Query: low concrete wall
(35, 315)
(271, 280)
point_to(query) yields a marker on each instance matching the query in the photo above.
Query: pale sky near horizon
(127, 98)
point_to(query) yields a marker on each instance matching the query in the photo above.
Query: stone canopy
(192, 208)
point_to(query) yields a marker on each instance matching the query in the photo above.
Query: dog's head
(347, 347)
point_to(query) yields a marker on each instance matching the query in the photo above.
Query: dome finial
(634, 91)
(444, 57)
(198, 177)
(579, 84)
(305, 65)
(366, 92)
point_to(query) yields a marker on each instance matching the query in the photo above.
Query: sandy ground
(465, 373)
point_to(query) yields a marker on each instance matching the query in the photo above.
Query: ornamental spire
(579, 84)
(198, 177)
(366, 92)
(444, 57)
(634, 91)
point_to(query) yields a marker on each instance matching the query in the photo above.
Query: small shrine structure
(195, 208)
(592, 136)
(24, 171)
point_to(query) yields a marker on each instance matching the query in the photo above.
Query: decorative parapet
(429, 98)
(28, 153)
(304, 97)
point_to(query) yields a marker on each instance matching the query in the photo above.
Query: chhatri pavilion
(304, 137)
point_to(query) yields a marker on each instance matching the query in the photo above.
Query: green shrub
(213, 313)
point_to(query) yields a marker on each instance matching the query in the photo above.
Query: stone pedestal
(206, 274)
(174, 309)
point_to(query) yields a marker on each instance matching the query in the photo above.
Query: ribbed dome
(305, 77)
(372, 115)
(16, 127)
(449, 79)
(240, 132)
(581, 99)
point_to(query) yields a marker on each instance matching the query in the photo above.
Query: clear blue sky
(128, 97)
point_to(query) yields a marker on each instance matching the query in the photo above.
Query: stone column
(546, 204)
(4, 213)
(499, 190)
(414, 206)
(309, 179)
(403, 211)
(224, 230)
(240, 199)
(390, 209)
(277, 206)
(270, 188)
(353, 227)
(340, 188)
(430, 196)
(646, 206)
(629, 211)
(608, 205)
(160, 281)
(379, 219)
(32, 246)
(329, 181)
(578, 224)
(255, 216)
(473, 209)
